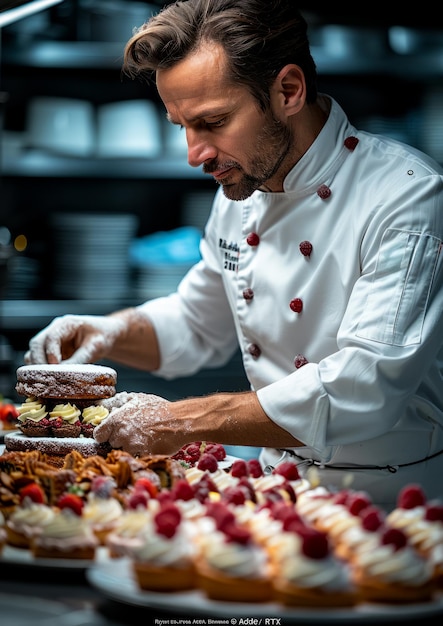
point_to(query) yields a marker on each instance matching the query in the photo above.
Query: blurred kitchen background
(99, 209)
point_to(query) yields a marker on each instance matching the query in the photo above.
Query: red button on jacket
(296, 305)
(254, 350)
(253, 239)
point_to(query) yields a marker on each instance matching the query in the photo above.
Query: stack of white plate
(155, 281)
(23, 277)
(432, 123)
(91, 255)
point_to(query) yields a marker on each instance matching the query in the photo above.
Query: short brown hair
(259, 38)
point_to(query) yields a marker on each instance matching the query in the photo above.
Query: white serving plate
(22, 556)
(116, 582)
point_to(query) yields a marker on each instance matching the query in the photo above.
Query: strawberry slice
(72, 502)
(144, 484)
(34, 492)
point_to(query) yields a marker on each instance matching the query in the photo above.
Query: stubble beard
(273, 144)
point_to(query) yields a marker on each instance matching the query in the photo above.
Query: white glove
(75, 339)
(144, 424)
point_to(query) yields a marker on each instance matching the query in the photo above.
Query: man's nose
(199, 148)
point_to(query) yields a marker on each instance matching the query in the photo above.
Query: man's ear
(288, 92)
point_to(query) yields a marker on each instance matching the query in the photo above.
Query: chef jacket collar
(324, 157)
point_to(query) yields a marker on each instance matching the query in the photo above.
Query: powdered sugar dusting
(66, 381)
(77, 368)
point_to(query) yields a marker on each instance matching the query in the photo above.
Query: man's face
(243, 148)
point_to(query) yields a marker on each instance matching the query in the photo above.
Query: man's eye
(216, 124)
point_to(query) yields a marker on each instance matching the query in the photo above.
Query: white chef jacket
(369, 399)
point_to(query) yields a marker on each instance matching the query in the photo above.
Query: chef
(321, 259)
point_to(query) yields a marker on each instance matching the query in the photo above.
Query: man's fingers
(103, 431)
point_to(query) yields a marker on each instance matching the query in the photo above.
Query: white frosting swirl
(31, 410)
(327, 573)
(274, 481)
(94, 414)
(264, 526)
(176, 551)
(131, 523)
(423, 534)
(384, 562)
(102, 512)
(126, 538)
(66, 531)
(30, 518)
(68, 412)
(310, 503)
(234, 559)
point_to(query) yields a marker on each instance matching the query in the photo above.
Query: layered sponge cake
(62, 407)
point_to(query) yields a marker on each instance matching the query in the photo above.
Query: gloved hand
(75, 339)
(141, 424)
